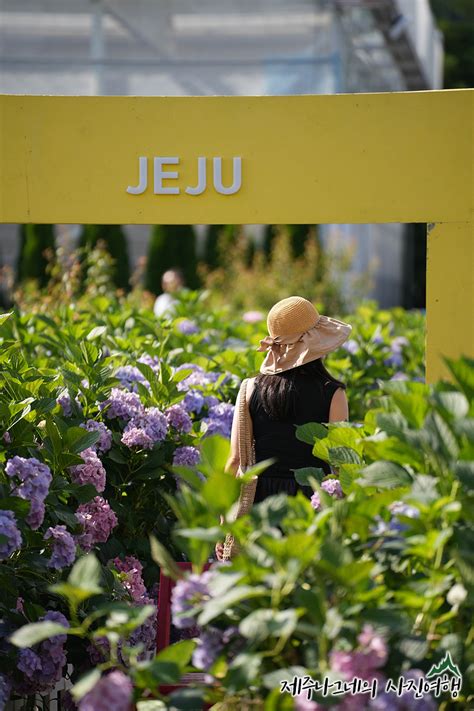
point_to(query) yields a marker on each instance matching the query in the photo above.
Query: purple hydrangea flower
(104, 443)
(43, 667)
(91, 472)
(398, 344)
(35, 478)
(7, 438)
(199, 377)
(179, 419)
(129, 376)
(185, 594)
(64, 547)
(303, 703)
(399, 376)
(351, 346)
(394, 526)
(390, 701)
(210, 401)
(97, 519)
(152, 361)
(395, 360)
(65, 401)
(209, 646)
(212, 641)
(122, 404)
(193, 401)
(5, 690)
(8, 528)
(146, 429)
(186, 456)
(219, 420)
(187, 327)
(252, 316)
(332, 487)
(112, 691)
(133, 581)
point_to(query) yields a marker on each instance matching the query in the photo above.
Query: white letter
(160, 174)
(201, 186)
(143, 180)
(237, 177)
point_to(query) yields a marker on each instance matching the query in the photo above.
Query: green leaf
(181, 375)
(5, 317)
(463, 371)
(384, 475)
(243, 670)
(85, 684)
(465, 473)
(343, 455)
(77, 439)
(151, 705)
(302, 475)
(413, 407)
(214, 608)
(311, 431)
(333, 623)
(273, 679)
(186, 699)
(215, 451)
(201, 534)
(84, 493)
(415, 648)
(85, 574)
(444, 435)
(161, 556)
(31, 634)
(180, 653)
(261, 624)
(73, 594)
(96, 333)
(453, 402)
(20, 507)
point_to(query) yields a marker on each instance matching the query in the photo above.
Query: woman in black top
(292, 388)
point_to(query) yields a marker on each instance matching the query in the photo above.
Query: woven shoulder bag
(247, 459)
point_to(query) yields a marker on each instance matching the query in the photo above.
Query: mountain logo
(446, 665)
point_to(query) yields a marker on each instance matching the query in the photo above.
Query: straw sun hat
(299, 334)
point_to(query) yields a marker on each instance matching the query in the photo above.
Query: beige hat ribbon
(290, 351)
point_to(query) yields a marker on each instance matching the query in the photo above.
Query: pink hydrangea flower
(332, 487)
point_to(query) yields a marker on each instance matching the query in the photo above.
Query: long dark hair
(278, 393)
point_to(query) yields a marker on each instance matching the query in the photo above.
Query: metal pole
(97, 44)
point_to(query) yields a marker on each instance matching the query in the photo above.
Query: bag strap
(244, 438)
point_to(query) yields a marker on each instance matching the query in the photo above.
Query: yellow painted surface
(449, 296)
(347, 158)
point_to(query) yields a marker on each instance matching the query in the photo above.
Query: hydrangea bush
(104, 411)
(373, 577)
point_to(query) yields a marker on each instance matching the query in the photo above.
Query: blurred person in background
(172, 282)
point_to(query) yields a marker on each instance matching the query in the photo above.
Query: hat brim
(327, 336)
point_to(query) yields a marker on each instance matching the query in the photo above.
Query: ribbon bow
(277, 342)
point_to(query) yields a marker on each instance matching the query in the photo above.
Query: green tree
(171, 246)
(298, 236)
(455, 19)
(35, 240)
(116, 244)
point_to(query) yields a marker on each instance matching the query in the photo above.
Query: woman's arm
(339, 409)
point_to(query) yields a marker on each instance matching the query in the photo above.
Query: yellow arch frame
(344, 158)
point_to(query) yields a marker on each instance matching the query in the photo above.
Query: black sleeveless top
(277, 439)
